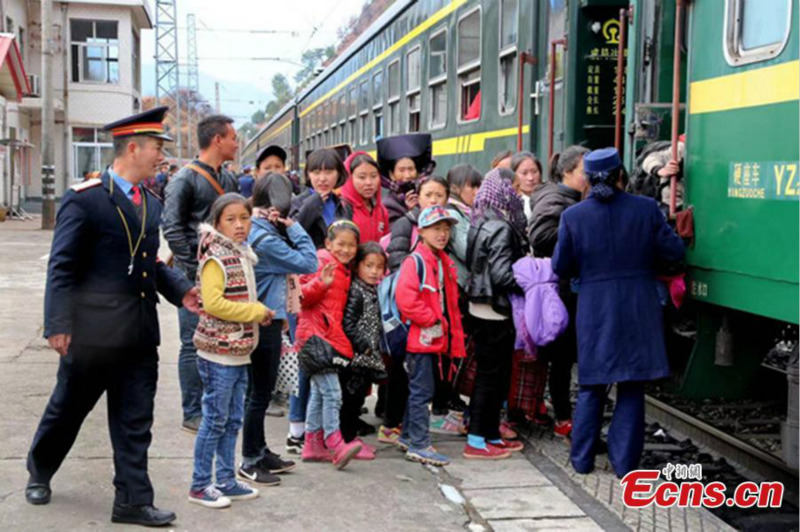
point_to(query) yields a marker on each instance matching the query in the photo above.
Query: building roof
(141, 8)
(13, 79)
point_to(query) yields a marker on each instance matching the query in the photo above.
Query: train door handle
(537, 95)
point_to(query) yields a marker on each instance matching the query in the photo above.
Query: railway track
(727, 454)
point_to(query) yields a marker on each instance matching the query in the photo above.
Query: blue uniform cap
(434, 215)
(149, 123)
(601, 161)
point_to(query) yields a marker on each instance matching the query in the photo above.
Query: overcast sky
(314, 21)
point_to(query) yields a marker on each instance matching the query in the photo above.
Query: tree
(311, 60)
(258, 117)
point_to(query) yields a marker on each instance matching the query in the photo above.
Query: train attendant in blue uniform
(611, 243)
(103, 282)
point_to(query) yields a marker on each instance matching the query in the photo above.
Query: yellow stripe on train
(763, 86)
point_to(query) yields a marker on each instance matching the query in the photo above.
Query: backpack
(640, 182)
(395, 330)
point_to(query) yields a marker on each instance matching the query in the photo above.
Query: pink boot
(342, 452)
(314, 448)
(367, 451)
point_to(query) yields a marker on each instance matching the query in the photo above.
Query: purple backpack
(546, 316)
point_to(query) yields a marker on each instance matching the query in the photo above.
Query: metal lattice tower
(192, 79)
(167, 79)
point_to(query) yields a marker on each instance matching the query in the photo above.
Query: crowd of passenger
(460, 297)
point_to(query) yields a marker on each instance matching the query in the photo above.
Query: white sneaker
(210, 497)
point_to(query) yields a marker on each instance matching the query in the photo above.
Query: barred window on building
(93, 151)
(95, 51)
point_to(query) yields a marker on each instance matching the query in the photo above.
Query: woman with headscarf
(403, 159)
(496, 241)
(611, 244)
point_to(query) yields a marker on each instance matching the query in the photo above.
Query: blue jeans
(421, 385)
(191, 385)
(298, 403)
(324, 403)
(223, 408)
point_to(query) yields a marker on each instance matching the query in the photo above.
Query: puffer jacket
(307, 211)
(373, 222)
(493, 246)
(187, 203)
(362, 325)
(403, 239)
(545, 314)
(322, 307)
(421, 305)
(549, 201)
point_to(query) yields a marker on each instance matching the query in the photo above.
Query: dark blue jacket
(613, 249)
(277, 257)
(89, 293)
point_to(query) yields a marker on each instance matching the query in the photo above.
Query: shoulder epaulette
(85, 185)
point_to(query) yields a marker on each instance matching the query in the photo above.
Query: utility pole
(48, 120)
(216, 95)
(192, 81)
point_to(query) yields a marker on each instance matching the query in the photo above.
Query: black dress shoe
(145, 515)
(37, 493)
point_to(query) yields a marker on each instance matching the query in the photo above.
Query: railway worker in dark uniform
(103, 282)
(611, 243)
(187, 203)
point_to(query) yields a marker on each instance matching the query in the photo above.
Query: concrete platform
(389, 494)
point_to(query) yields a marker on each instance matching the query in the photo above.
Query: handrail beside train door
(550, 118)
(623, 23)
(676, 99)
(524, 59)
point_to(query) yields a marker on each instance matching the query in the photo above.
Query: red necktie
(137, 196)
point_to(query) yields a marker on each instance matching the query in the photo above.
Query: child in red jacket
(322, 342)
(435, 330)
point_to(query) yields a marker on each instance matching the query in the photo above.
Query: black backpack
(640, 182)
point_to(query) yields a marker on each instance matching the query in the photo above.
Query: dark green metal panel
(746, 250)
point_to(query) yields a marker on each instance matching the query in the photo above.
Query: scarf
(497, 195)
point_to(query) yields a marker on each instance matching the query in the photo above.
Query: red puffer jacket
(372, 224)
(323, 305)
(421, 305)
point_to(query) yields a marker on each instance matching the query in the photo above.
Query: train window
(394, 97)
(377, 104)
(469, 39)
(756, 30)
(469, 66)
(437, 58)
(364, 111)
(509, 15)
(342, 107)
(353, 103)
(377, 88)
(413, 94)
(437, 78)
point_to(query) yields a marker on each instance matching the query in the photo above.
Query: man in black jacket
(187, 203)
